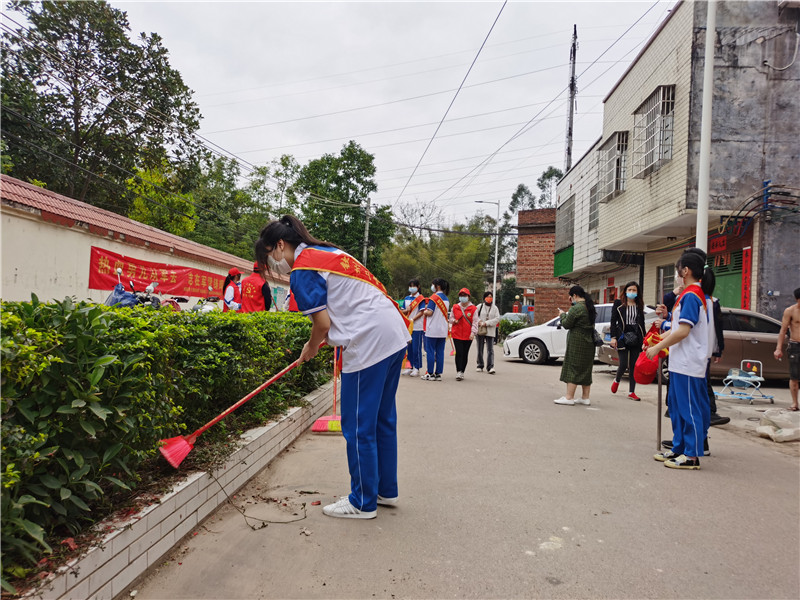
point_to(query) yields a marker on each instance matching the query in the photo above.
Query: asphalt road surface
(504, 494)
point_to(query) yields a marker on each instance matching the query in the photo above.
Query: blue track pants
(415, 349)
(434, 348)
(369, 425)
(689, 412)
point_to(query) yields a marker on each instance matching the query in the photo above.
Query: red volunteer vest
(237, 296)
(252, 298)
(462, 328)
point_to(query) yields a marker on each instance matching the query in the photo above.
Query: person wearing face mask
(691, 340)
(349, 308)
(627, 335)
(232, 298)
(437, 329)
(488, 317)
(579, 356)
(413, 306)
(464, 328)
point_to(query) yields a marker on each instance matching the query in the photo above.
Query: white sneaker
(414, 373)
(459, 376)
(563, 400)
(343, 509)
(387, 501)
(428, 377)
(405, 372)
(491, 371)
(479, 369)
(584, 401)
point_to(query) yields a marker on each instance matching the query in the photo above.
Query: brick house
(535, 248)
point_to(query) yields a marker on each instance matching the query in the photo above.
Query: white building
(632, 198)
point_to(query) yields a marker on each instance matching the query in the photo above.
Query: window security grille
(593, 212)
(652, 131)
(565, 224)
(613, 165)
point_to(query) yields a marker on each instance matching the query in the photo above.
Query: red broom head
(329, 424)
(175, 450)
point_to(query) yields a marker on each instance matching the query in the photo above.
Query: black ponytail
(694, 259)
(578, 291)
(289, 229)
(441, 283)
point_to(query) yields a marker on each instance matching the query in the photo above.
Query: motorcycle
(121, 297)
(207, 304)
(175, 302)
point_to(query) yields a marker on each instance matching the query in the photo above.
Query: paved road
(507, 495)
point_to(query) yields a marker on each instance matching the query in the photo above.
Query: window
(665, 282)
(613, 165)
(652, 131)
(593, 212)
(565, 224)
(729, 322)
(756, 325)
(603, 314)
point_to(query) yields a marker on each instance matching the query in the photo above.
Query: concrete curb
(142, 540)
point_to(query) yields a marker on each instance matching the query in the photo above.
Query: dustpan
(331, 423)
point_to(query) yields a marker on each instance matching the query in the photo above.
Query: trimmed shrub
(89, 390)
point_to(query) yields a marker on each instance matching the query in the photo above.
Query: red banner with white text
(172, 279)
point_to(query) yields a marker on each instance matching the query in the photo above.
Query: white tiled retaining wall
(141, 541)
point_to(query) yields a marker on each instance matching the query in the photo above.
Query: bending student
(348, 308)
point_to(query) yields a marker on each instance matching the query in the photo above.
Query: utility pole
(704, 168)
(366, 234)
(573, 92)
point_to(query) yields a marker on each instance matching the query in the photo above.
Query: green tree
(272, 186)
(80, 97)
(334, 191)
(6, 164)
(156, 203)
(508, 291)
(459, 258)
(547, 186)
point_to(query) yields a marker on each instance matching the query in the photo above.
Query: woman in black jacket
(627, 334)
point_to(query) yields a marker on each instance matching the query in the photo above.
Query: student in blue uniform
(413, 307)
(348, 307)
(437, 314)
(691, 343)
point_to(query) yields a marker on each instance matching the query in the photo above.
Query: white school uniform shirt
(437, 322)
(690, 356)
(418, 324)
(364, 321)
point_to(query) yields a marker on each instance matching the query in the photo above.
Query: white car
(537, 344)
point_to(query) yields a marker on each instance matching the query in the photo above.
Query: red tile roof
(65, 211)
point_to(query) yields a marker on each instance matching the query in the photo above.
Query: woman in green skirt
(579, 357)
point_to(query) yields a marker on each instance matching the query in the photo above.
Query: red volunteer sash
(311, 259)
(437, 300)
(415, 303)
(697, 291)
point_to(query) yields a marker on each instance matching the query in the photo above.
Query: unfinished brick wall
(535, 249)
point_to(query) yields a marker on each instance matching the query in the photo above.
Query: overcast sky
(301, 78)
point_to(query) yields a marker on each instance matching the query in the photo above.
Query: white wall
(52, 261)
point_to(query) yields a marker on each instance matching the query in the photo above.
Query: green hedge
(88, 391)
(506, 327)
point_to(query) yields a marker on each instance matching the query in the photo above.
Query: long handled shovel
(658, 425)
(177, 448)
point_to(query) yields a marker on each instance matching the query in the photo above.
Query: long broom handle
(249, 396)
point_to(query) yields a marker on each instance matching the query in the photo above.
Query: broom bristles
(175, 450)
(331, 423)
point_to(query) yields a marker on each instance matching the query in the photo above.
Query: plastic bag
(645, 369)
(779, 426)
(119, 297)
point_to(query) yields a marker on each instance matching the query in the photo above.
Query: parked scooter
(175, 302)
(121, 297)
(207, 304)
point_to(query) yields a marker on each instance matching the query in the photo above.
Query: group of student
(434, 321)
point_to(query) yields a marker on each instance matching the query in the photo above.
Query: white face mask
(463, 299)
(279, 266)
(412, 290)
(433, 288)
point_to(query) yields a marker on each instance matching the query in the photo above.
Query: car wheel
(533, 352)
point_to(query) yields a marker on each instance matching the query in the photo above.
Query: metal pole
(496, 246)
(703, 179)
(573, 90)
(366, 234)
(658, 425)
